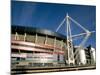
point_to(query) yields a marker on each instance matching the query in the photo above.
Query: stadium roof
(32, 30)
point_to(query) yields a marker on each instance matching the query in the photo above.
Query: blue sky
(49, 16)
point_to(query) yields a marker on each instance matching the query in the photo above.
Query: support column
(25, 37)
(69, 42)
(36, 38)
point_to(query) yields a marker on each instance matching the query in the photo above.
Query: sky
(50, 15)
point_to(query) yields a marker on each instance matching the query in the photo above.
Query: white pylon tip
(67, 15)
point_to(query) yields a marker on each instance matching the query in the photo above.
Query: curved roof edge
(32, 30)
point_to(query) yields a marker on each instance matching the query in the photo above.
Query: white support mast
(69, 42)
(87, 35)
(70, 37)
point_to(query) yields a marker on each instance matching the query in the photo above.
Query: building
(85, 56)
(90, 55)
(37, 47)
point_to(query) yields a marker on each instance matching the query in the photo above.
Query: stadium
(41, 50)
(41, 47)
(42, 41)
(37, 47)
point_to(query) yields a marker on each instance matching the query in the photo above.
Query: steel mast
(70, 37)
